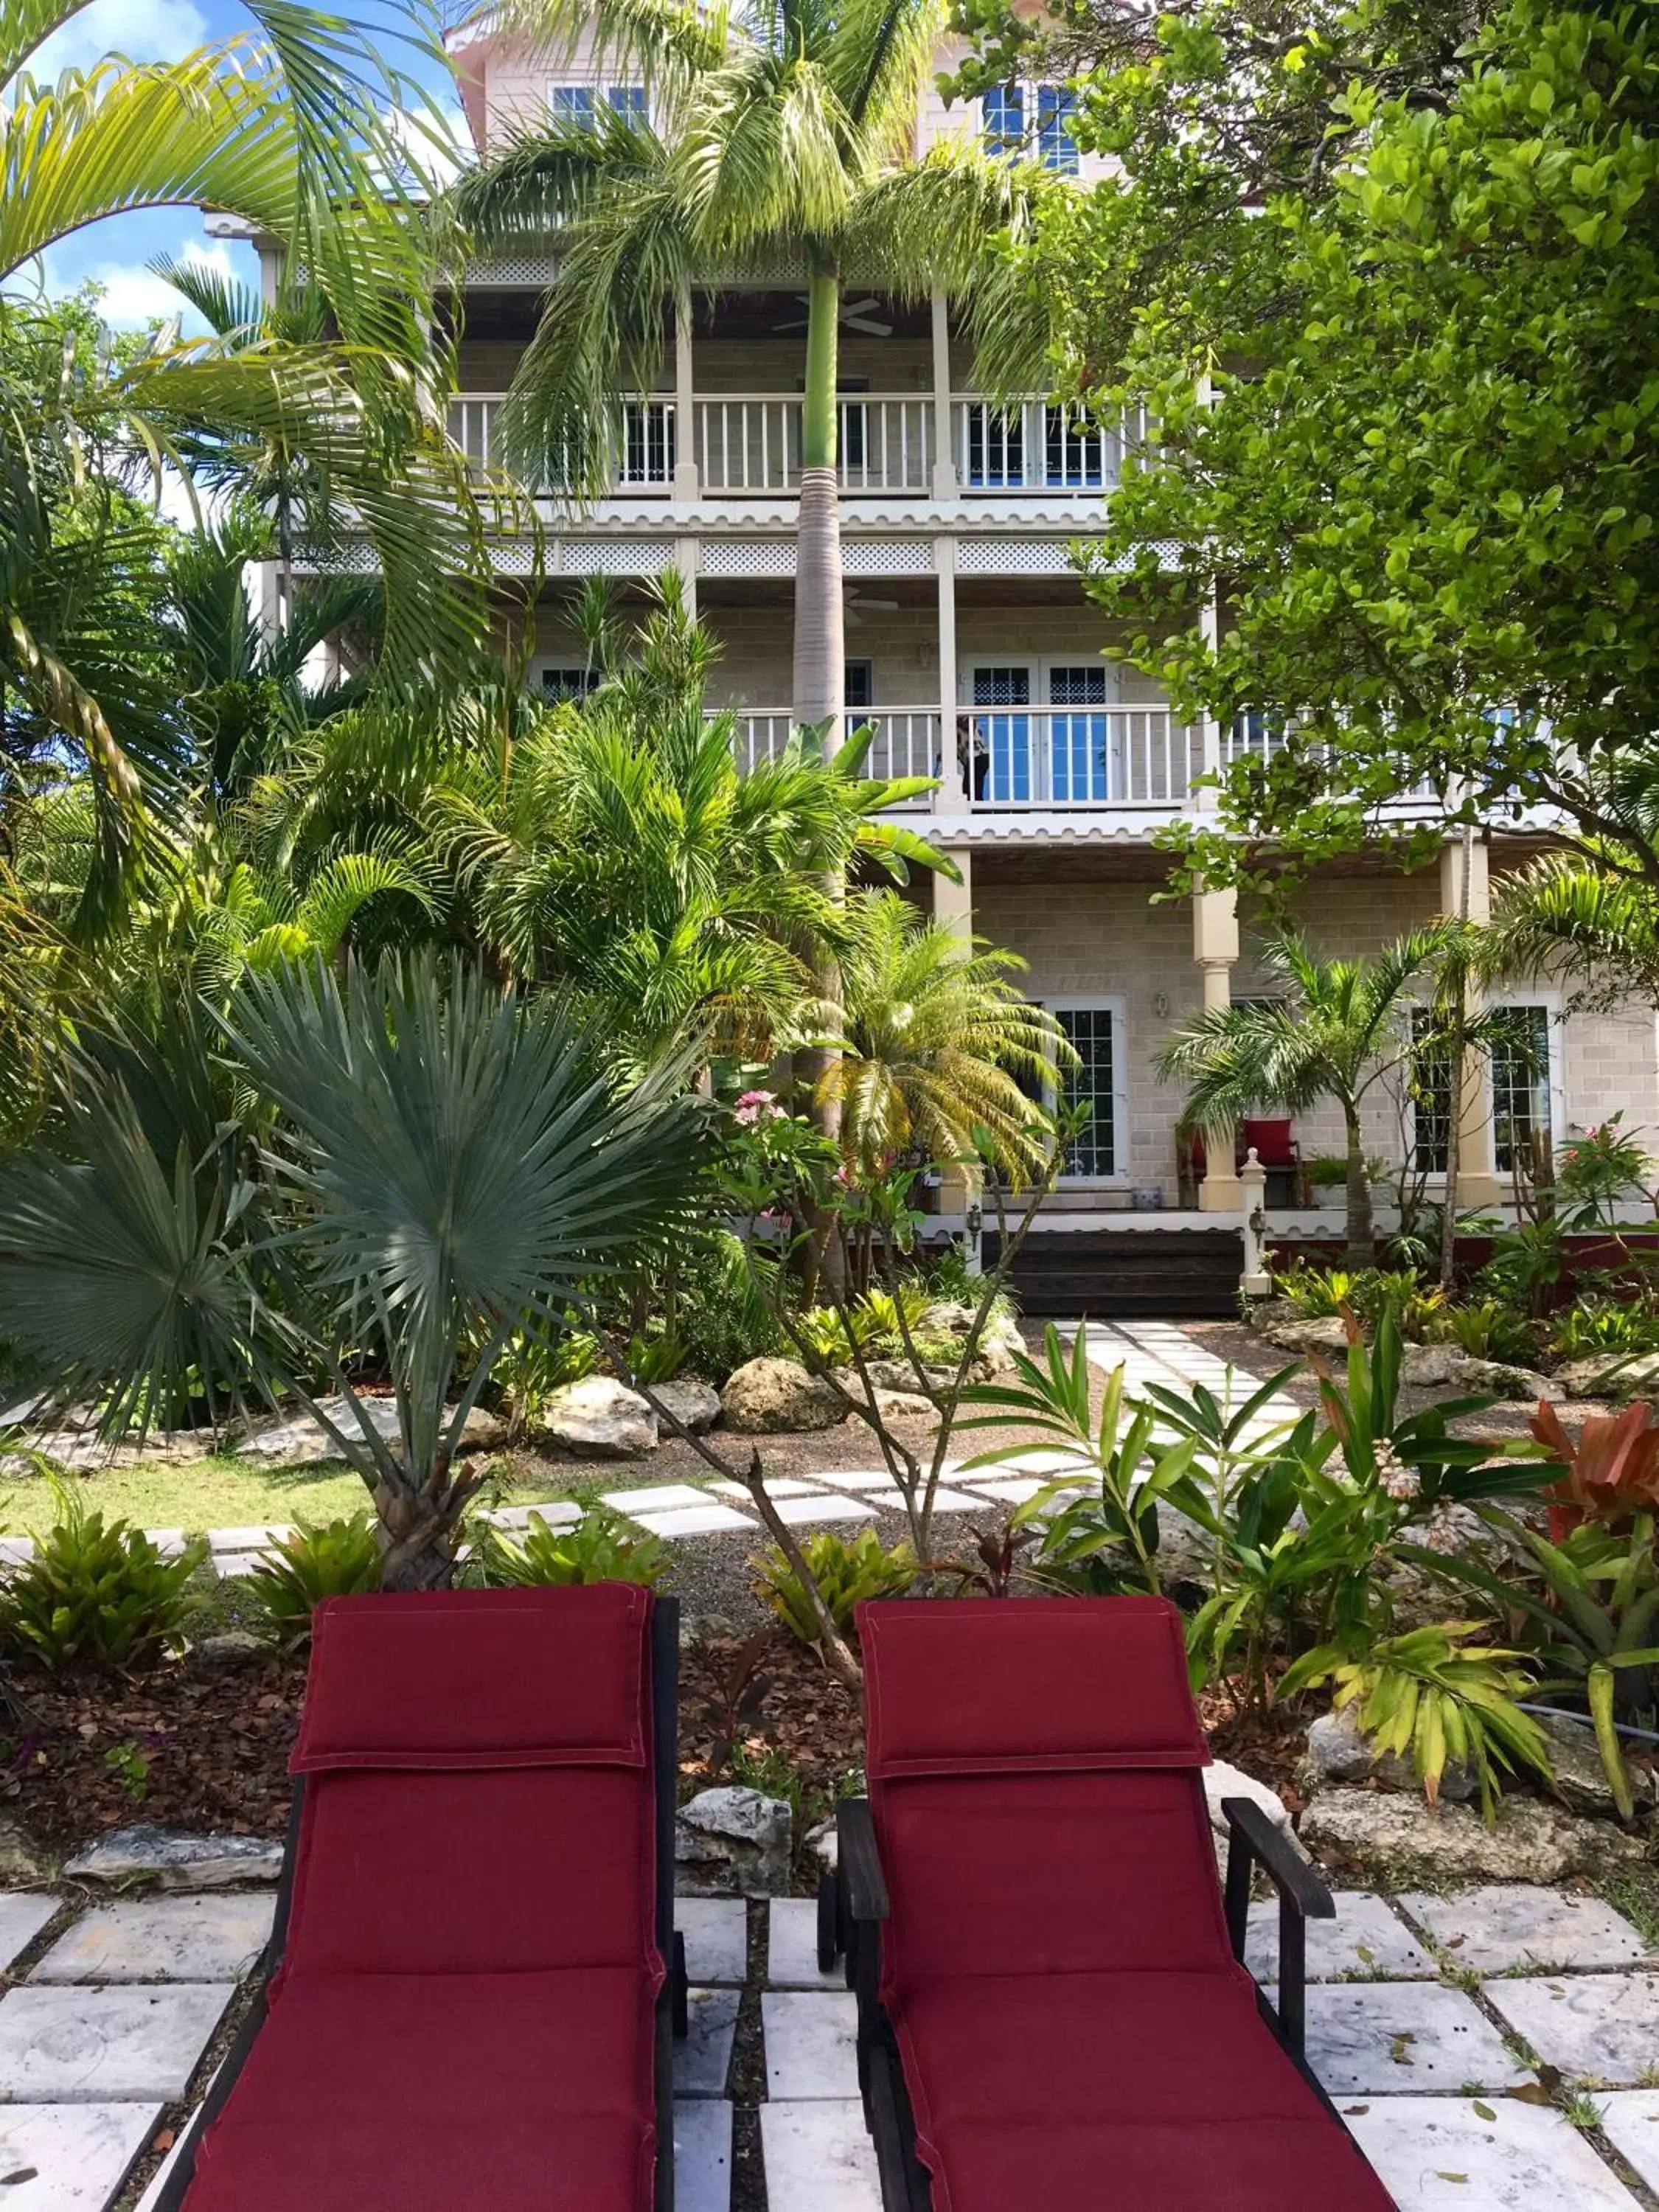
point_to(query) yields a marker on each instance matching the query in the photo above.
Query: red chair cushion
(1272, 1142)
(1193, 2165)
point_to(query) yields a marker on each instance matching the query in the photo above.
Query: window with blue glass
(1002, 111)
(1056, 147)
(629, 100)
(573, 104)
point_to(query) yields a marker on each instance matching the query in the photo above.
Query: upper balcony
(747, 445)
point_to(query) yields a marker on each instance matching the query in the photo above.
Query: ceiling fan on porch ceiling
(854, 315)
(856, 604)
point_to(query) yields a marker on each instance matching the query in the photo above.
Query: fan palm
(442, 1166)
(1589, 914)
(286, 132)
(936, 1041)
(779, 147)
(1337, 1029)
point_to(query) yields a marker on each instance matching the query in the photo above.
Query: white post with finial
(1253, 1221)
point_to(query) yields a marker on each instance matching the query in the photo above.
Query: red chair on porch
(469, 2010)
(1052, 2010)
(1275, 1146)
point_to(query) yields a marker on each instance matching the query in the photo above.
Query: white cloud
(134, 296)
(143, 30)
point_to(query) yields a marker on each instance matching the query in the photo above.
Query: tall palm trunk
(820, 664)
(1362, 1227)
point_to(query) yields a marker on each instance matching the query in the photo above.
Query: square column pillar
(952, 792)
(953, 909)
(1479, 1186)
(1209, 732)
(944, 458)
(688, 483)
(1215, 950)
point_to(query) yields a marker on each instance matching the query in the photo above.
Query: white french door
(1095, 1029)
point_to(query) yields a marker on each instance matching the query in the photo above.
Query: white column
(685, 560)
(687, 484)
(953, 907)
(1209, 730)
(944, 458)
(1215, 949)
(952, 793)
(1478, 1183)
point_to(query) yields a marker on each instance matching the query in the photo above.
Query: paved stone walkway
(1451, 2032)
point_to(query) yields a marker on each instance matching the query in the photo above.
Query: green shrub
(94, 1590)
(1603, 1325)
(537, 1362)
(1326, 1170)
(1488, 1329)
(845, 1573)
(335, 1560)
(874, 1320)
(655, 1359)
(722, 1316)
(600, 1547)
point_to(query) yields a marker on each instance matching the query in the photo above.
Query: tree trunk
(418, 1538)
(820, 656)
(1362, 1228)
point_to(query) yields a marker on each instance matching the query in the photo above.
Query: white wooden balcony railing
(748, 444)
(1003, 759)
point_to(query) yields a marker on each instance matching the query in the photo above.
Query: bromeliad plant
(419, 1170)
(601, 1548)
(95, 1591)
(337, 1559)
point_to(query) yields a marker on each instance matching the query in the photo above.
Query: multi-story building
(975, 655)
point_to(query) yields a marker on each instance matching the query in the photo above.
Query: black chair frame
(672, 2004)
(853, 1903)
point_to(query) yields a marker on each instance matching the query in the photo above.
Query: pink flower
(755, 1106)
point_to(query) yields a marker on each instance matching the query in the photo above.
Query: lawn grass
(222, 1492)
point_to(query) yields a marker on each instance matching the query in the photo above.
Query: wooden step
(1176, 1274)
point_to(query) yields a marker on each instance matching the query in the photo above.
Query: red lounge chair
(1052, 2012)
(469, 2010)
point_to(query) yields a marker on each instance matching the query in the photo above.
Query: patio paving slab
(703, 2156)
(703, 2058)
(716, 1932)
(1366, 1942)
(252, 1538)
(1402, 2039)
(655, 1497)
(792, 1947)
(1439, 2154)
(819, 2158)
(164, 1939)
(810, 2046)
(795, 1512)
(705, 1520)
(1597, 2027)
(23, 1914)
(776, 1486)
(70, 2158)
(1510, 1927)
(555, 1513)
(1630, 2121)
(100, 2045)
(856, 1478)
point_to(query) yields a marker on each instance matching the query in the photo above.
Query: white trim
(1117, 1008)
(1547, 996)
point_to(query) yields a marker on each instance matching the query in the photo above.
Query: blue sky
(114, 254)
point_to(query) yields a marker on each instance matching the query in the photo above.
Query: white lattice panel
(1014, 557)
(615, 556)
(886, 556)
(512, 268)
(747, 557)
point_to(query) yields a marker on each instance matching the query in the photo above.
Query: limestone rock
(599, 1418)
(773, 1397)
(1432, 1366)
(1403, 1840)
(696, 1405)
(1337, 1753)
(904, 1406)
(303, 1442)
(1581, 1777)
(1326, 1333)
(176, 1860)
(1618, 1376)
(1221, 1781)
(733, 1841)
(22, 1861)
(1444, 1366)
(233, 1647)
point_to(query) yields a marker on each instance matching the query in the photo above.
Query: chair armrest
(1253, 1840)
(864, 1885)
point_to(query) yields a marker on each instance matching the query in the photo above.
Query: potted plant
(1326, 1175)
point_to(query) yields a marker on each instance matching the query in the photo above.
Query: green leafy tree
(419, 1172)
(1336, 1029)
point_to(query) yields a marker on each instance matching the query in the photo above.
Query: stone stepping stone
(253, 1538)
(858, 1477)
(229, 1566)
(795, 1512)
(1630, 2121)
(818, 2156)
(79, 2153)
(1513, 1928)
(169, 1542)
(702, 2058)
(1604, 2028)
(16, 1551)
(1366, 1942)
(782, 1485)
(1440, 2154)
(955, 1501)
(23, 1914)
(1011, 1490)
(716, 1932)
(792, 1947)
(91, 2046)
(1404, 2039)
(164, 1939)
(811, 2044)
(705, 1520)
(703, 2156)
(655, 1498)
(557, 1514)
(178, 1859)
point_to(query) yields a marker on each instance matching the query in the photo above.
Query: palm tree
(1589, 914)
(1338, 1027)
(416, 1171)
(936, 1041)
(288, 132)
(779, 148)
